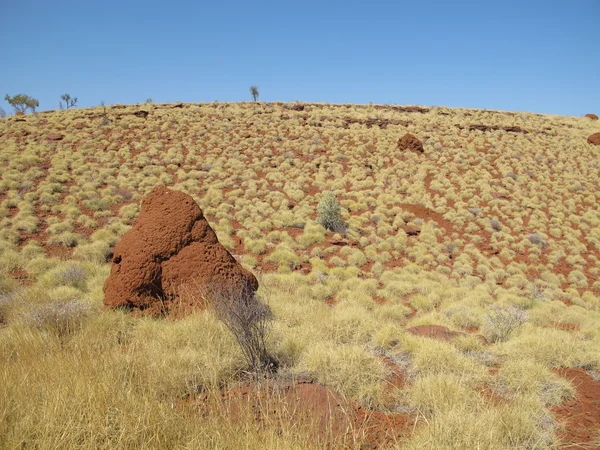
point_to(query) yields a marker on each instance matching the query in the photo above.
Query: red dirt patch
(565, 326)
(581, 415)
(424, 213)
(592, 116)
(434, 332)
(331, 420)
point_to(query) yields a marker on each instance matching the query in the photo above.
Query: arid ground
(459, 308)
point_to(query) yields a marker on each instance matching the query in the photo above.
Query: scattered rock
(410, 142)
(592, 116)
(296, 107)
(594, 139)
(486, 128)
(403, 109)
(371, 122)
(142, 114)
(162, 265)
(412, 230)
(55, 137)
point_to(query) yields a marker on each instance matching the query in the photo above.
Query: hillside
(461, 301)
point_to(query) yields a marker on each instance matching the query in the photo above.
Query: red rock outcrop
(410, 142)
(592, 116)
(594, 139)
(162, 265)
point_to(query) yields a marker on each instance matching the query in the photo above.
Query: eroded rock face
(164, 263)
(594, 139)
(592, 116)
(410, 142)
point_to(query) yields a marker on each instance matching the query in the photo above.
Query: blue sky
(539, 56)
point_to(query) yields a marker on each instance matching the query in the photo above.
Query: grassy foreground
(508, 248)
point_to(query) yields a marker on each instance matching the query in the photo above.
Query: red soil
(581, 415)
(440, 332)
(435, 332)
(332, 421)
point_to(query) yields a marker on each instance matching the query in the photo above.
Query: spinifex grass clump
(501, 321)
(329, 213)
(62, 317)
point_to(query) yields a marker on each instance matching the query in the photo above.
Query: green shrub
(329, 213)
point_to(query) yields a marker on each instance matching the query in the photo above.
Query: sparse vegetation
(254, 92)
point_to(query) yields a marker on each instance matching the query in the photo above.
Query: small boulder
(411, 230)
(592, 116)
(169, 258)
(55, 137)
(410, 142)
(594, 139)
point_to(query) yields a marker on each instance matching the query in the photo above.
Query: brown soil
(581, 415)
(565, 326)
(424, 213)
(331, 421)
(592, 116)
(435, 332)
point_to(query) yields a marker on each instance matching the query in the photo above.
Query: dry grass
(509, 228)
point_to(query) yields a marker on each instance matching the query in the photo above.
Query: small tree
(149, 101)
(248, 319)
(329, 213)
(69, 102)
(22, 102)
(2, 113)
(254, 92)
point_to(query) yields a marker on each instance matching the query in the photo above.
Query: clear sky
(528, 55)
